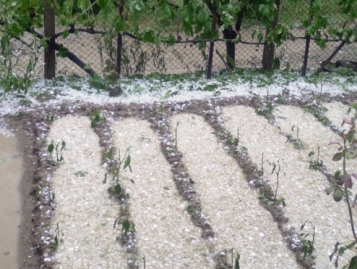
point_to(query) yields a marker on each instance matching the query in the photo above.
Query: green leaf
(350, 153)
(127, 163)
(98, 83)
(337, 174)
(329, 190)
(111, 153)
(171, 40)
(63, 145)
(337, 156)
(119, 24)
(353, 263)
(117, 189)
(337, 195)
(62, 52)
(50, 148)
(210, 87)
(125, 226)
(341, 251)
(65, 34)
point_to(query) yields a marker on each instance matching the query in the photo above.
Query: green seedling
(262, 166)
(265, 196)
(315, 164)
(97, 118)
(276, 170)
(177, 124)
(343, 182)
(59, 157)
(318, 112)
(281, 99)
(231, 140)
(307, 245)
(50, 117)
(56, 239)
(265, 109)
(235, 260)
(37, 192)
(128, 226)
(118, 165)
(298, 144)
(80, 173)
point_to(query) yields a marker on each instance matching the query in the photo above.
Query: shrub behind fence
(138, 57)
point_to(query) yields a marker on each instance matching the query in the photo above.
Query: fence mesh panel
(138, 57)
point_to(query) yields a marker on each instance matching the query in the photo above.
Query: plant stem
(262, 165)
(177, 124)
(277, 180)
(346, 191)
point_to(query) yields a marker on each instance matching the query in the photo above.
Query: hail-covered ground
(194, 192)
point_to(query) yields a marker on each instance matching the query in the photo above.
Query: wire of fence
(97, 50)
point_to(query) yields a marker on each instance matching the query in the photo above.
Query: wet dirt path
(11, 172)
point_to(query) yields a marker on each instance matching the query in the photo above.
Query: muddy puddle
(10, 210)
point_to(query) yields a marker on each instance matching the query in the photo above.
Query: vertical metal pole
(119, 39)
(210, 59)
(307, 44)
(119, 47)
(49, 31)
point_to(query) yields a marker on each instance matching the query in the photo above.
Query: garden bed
(192, 204)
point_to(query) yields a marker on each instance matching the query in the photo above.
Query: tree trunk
(49, 31)
(230, 46)
(119, 39)
(269, 49)
(211, 46)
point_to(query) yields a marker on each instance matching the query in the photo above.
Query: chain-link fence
(99, 51)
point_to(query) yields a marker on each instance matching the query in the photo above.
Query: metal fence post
(307, 44)
(49, 32)
(210, 59)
